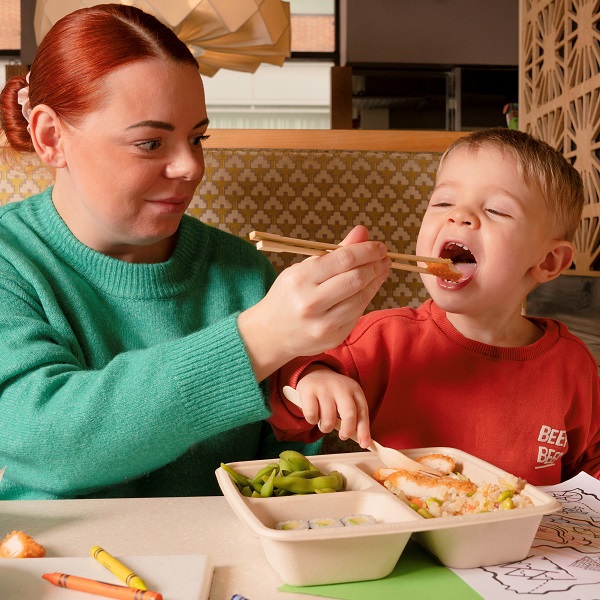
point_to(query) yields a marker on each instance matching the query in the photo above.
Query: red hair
(75, 56)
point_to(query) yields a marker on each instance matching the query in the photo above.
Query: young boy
(466, 369)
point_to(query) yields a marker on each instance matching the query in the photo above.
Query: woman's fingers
(346, 259)
(358, 234)
(327, 295)
(313, 305)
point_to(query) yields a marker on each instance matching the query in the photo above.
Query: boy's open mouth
(462, 258)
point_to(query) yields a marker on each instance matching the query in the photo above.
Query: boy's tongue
(467, 269)
(462, 258)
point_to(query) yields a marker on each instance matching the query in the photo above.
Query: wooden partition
(559, 100)
(329, 139)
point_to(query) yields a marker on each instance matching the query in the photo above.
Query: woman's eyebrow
(155, 124)
(164, 125)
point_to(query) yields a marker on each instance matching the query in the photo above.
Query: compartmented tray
(342, 554)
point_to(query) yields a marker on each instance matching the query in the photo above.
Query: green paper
(416, 575)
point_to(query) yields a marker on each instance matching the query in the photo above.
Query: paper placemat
(175, 577)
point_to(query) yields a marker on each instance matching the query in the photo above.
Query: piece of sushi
(321, 522)
(293, 524)
(354, 520)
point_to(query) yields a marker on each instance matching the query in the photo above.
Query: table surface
(153, 526)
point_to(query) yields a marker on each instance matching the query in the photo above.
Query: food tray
(343, 554)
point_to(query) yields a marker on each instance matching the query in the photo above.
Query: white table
(153, 526)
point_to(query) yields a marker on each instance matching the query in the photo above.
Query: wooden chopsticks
(271, 242)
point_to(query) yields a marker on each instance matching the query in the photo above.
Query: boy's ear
(559, 257)
(46, 135)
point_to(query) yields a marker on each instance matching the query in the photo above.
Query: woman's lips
(170, 204)
(171, 200)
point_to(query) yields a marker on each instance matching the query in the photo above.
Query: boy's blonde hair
(540, 165)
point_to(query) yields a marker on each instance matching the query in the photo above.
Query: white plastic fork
(391, 458)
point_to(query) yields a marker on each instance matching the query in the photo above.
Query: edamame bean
(294, 474)
(267, 488)
(504, 495)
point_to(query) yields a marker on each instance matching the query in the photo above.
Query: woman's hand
(313, 305)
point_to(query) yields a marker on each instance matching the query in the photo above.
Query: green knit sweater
(122, 379)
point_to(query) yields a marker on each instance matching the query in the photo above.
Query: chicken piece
(382, 474)
(419, 485)
(446, 271)
(440, 462)
(19, 545)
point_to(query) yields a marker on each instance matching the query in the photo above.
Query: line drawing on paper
(564, 560)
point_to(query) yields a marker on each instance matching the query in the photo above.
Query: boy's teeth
(458, 253)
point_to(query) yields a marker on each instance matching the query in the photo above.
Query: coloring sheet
(564, 562)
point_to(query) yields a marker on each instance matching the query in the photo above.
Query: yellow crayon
(117, 568)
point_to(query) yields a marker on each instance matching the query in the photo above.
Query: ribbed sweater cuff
(214, 374)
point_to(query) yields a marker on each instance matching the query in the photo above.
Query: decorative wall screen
(559, 99)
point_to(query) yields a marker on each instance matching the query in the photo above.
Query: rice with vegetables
(453, 494)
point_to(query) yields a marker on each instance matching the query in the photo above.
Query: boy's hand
(326, 394)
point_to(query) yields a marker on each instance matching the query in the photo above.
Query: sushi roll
(354, 520)
(294, 524)
(321, 522)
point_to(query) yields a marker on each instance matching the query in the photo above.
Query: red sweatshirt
(533, 411)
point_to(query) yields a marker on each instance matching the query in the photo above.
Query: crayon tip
(136, 582)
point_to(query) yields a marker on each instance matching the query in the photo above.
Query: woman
(135, 341)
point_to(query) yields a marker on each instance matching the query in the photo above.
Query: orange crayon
(91, 586)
